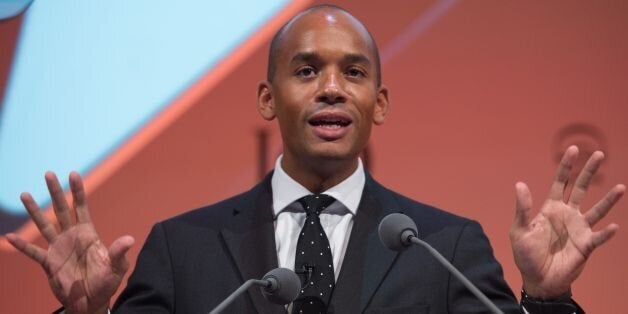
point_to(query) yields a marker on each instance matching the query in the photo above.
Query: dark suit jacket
(192, 262)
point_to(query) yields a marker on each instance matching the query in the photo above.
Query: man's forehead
(308, 25)
(330, 15)
(322, 17)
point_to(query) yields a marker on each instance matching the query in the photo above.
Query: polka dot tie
(313, 261)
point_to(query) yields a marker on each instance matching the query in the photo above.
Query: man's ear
(265, 101)
(381, 106)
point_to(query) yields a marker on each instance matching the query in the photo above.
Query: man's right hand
(83, 274)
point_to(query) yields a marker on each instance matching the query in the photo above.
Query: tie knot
(316, 203)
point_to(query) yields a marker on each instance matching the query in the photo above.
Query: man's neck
(318, 176)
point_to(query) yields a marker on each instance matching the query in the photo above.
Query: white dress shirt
(336, 219)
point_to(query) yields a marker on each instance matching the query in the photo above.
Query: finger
(117, 252)
(34, 252)
(584, 179)
(599, 210)
(44, 225)
(523, 214)
(602, 236)
(562, 173)
(59, 204)
(79, 197)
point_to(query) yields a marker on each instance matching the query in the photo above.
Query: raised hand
(83, 274)
(552, 247)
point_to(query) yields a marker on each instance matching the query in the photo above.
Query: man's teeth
(330, 124)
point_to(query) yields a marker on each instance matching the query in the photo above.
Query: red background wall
(490, 93)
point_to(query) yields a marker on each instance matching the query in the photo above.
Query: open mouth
(330, 121)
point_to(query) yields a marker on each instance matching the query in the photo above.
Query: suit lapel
(251, 242)
(366, 261)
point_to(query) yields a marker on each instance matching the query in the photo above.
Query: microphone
(398, 231)
(280, 286)
(283, 286)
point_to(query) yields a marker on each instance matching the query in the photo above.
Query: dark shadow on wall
(9, 34)
(10, 223)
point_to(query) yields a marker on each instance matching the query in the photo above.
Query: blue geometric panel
(11, 8)
(88, 74)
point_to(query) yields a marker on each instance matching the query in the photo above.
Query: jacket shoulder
(215, 216)
(428, 218)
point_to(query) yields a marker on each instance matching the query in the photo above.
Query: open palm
(82, 272)
(552, 247)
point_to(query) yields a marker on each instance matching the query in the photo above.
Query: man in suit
(324, 88)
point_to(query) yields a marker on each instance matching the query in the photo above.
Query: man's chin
(332, 152)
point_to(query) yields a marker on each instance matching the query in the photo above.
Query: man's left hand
(552, 247)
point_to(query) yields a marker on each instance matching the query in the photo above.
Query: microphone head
(284, 286)
(394, 231)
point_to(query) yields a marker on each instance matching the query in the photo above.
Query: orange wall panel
(479, 101)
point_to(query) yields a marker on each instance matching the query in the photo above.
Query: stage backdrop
(155, 105)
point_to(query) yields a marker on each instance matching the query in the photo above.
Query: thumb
(523, 214)
(117, 252)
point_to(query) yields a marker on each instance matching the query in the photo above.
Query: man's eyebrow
(311, 57)
(356, 58)
(306, 57)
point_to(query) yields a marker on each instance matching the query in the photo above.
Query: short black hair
(275, 43)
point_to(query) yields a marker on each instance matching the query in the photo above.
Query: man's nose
(331, 90)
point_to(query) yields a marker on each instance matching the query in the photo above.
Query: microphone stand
(221, 307)
(409, 235)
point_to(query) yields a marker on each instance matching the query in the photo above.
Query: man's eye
(306, 72)
(355, 72)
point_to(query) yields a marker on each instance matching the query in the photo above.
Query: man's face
(324, 91)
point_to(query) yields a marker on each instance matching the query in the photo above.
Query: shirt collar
(286, 190)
